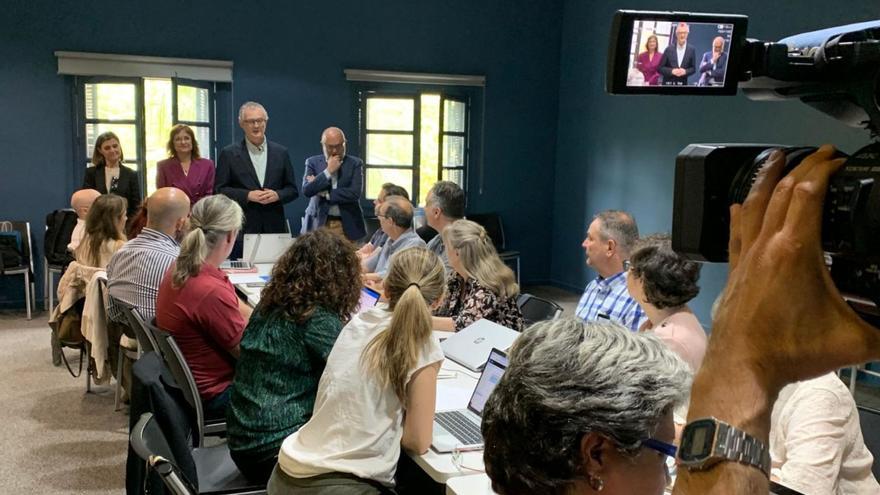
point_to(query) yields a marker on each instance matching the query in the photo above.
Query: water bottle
(419, 219)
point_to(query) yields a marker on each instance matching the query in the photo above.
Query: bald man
(333, 182)
(135, 271)
(395, 218)
(81, 201)
(713, 64)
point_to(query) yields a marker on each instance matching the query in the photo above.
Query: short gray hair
(250, 104)
(620, 226)
(449, 197)
(568, 378)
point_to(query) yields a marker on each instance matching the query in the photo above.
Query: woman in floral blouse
(480, 285)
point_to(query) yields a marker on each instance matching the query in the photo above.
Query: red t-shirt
(204, 319)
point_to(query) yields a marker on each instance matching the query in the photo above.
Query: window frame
(469, 95)
(80, 120)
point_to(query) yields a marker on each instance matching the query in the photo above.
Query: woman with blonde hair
(197, 304)
(185, 168)
(480, 285)
(377, 393)
(104, 231)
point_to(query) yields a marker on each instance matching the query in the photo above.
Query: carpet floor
(57, 439)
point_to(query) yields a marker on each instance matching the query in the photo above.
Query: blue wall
(619, 152)
(290, 57)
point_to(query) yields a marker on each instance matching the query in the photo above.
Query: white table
(241, 281)
(474, 484)
(453, 392)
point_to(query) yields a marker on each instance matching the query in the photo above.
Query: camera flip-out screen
(674, 53)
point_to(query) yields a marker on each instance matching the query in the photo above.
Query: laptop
(461, 428)
(265, 248)
(369, 298)
(470, 346)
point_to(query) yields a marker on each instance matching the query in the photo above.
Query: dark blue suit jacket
(712, 74)
(347, 195)
(670, 61)
(236, 177)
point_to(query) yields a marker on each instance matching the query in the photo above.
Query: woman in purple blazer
(186, 169)
(648, 62)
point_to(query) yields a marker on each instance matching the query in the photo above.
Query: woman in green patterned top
(314, 288)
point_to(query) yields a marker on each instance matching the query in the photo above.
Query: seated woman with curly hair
(663, 281)
(313, 291)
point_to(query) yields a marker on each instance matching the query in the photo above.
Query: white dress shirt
(258, 158)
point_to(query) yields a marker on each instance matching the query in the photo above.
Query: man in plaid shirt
(610, 237)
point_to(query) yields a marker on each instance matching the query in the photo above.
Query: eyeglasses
(256, 122)
(667, 449)
(626, 265)
(458, 459)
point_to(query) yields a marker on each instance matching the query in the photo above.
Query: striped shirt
(136, 270)
(608, 299)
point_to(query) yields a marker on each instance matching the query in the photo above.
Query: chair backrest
(372, 225)
(24, 230)
(149, 443)
(535, 309)
(869, 420)
(60, 225)
(183, 375)
(494, 228)
(145, 338)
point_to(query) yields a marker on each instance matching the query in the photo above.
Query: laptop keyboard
(462, 428)
(236, 265)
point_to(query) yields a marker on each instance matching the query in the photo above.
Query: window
(142, 111)
(414, 139)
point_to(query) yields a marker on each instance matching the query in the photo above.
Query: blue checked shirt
(607, 299)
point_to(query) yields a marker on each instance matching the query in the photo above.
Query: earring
(596, 483)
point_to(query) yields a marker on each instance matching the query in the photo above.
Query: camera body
(836, 71)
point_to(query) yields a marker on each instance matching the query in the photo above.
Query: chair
(372, 225)
(63, 222)
(492, 223)
(26, 267)
(535, 309)
(124, 351)
(215, 470)
(183, 375)
(869, 420)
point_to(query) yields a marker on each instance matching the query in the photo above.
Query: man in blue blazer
(713, 65)
(257, 174)
(679, 59)
(334, 182)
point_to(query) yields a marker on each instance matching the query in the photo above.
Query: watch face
(696, 440)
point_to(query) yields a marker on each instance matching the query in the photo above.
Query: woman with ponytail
(197, 304)
(480, 284)
(377, 393)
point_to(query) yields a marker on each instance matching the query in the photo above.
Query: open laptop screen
(369, 298)
(495, 367)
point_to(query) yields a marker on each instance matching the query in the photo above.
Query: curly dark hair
(669, 280)
(319, 269)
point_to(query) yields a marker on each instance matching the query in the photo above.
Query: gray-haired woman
(197, 304)
(583, 408)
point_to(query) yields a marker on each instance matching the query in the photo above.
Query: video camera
(835, 70)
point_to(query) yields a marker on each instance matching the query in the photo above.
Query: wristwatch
(708, 441)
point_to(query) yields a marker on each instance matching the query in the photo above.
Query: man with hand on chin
(333, 182)
(257, 174)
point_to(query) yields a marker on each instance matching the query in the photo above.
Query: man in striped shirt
(135, 271)
(610, 237)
